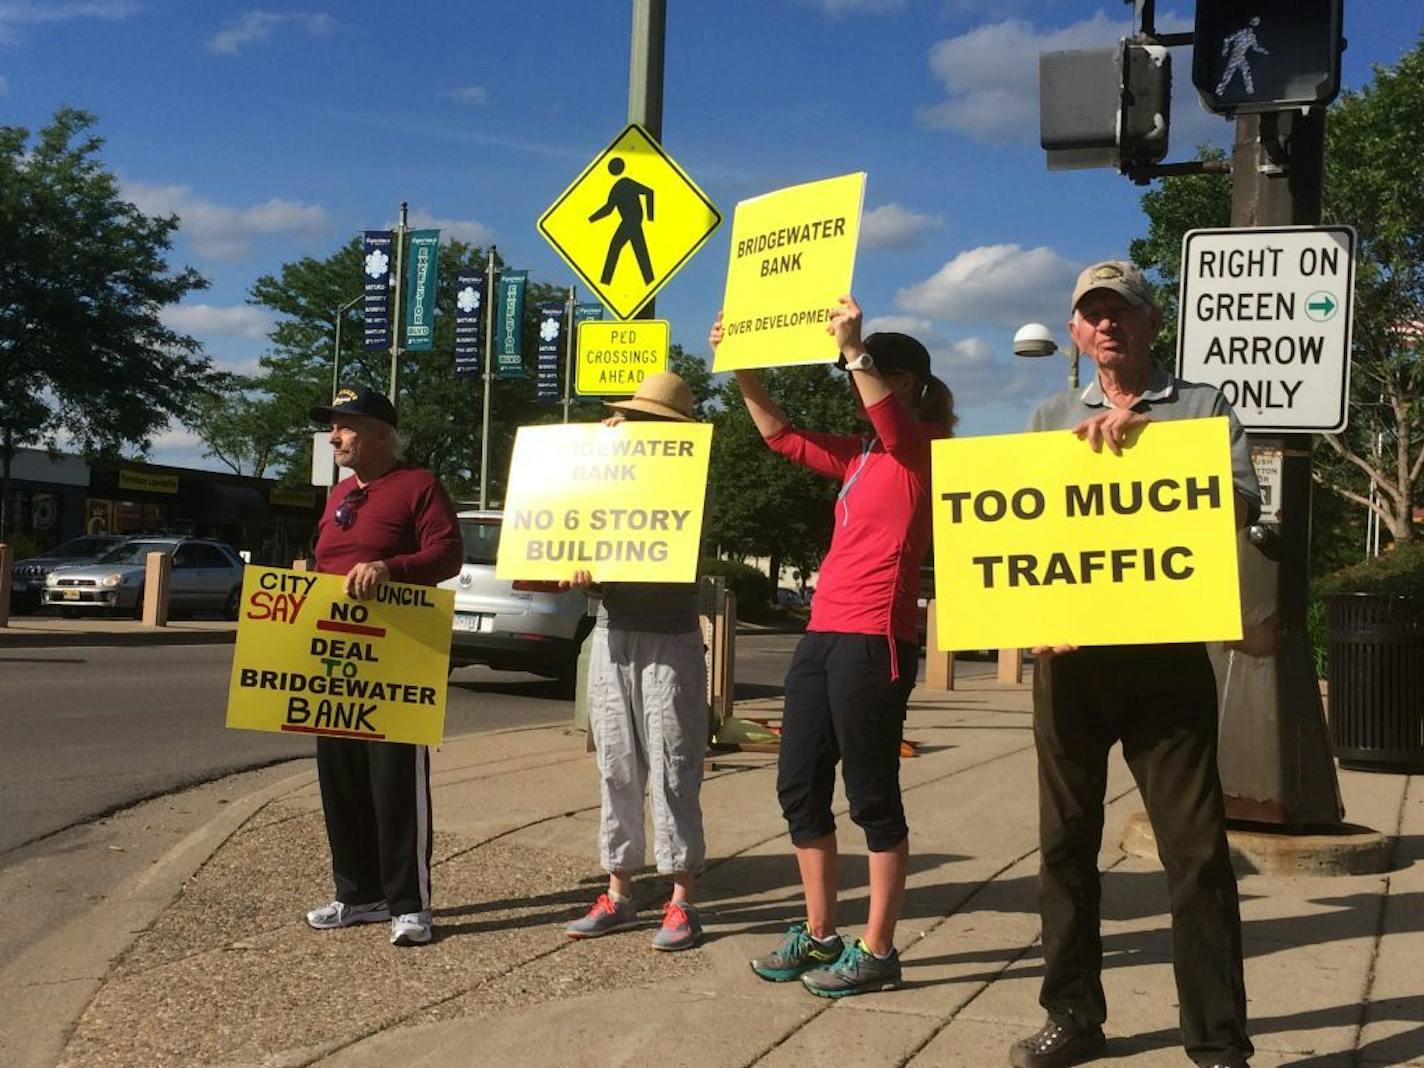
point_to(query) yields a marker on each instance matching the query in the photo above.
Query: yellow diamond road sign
(629, 221)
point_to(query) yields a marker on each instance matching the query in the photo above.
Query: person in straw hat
(647, 712)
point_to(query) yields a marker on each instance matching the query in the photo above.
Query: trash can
(1376, 673)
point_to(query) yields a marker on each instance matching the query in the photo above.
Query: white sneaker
(339, 914)
(412, 929)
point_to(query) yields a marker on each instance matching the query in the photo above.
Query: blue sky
(280, 131)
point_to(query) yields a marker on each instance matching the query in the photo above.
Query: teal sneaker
(856, 971)
(798, 953)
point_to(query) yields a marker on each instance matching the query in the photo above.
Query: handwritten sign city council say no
(624, 503)
(310, 660)
(1038, 540)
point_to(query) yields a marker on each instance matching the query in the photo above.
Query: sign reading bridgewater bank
(310, 660)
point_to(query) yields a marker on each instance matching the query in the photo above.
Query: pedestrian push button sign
(629, 222)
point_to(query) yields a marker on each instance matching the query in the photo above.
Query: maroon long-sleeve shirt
(406, 520)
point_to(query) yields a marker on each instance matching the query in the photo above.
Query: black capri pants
(841, 704)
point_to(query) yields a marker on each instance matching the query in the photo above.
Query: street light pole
(336, 347)
(645, 78)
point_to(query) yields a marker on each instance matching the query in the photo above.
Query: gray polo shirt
(1166, 397)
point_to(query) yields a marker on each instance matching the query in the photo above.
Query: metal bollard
(157, 578)
(5, 561)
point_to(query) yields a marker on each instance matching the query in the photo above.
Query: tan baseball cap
(1118, 276)
(663, 394)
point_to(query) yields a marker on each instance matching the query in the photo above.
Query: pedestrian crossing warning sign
(629, 222)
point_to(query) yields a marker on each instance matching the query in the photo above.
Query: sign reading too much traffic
(624, 503)
(1038, 540)
(792, 259)
(310, 660)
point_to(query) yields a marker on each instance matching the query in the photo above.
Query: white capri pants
(647, 708)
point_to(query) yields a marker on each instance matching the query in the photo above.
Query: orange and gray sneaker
(605, 917)
(681, 929)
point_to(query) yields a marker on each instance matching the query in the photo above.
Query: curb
(13, 638)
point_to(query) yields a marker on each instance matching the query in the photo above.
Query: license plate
(474, 622)
(70, 595)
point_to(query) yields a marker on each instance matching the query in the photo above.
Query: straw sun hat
(662, 394)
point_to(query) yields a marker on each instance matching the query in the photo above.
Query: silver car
(206, 577)
(512, 626)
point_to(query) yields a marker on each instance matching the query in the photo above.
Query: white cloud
(892, 227)
(36, 12)
(466, 230)
(991, 74)
(219, 232)
(258, 26)
(845, 7)
(900, 324)
(471, 94)
(999, 285)
(210, 320)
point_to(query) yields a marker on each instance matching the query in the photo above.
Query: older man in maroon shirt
(390, 522)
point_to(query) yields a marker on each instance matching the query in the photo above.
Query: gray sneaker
(412, 929)
(856, 971)
(605, 917)
(339, 914)
(681, 929)
(798, 953)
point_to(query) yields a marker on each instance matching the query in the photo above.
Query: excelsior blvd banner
(1038, 540)
(624, 503)
(792, 259)
(310, 660)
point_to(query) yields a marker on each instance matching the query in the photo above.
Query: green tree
(762, 505)
(82, 282)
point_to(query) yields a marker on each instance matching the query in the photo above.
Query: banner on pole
(551, 332)
(469, 322)
(792, 259)
(624, 502)
(509, 325)
(376, 272)
(310, 660)
(420, 274)
(586, 311)
(1039, 540)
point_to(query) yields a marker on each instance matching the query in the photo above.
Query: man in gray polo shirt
(1160, 702)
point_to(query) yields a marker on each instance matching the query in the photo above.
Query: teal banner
(586, 310)
(420, 290)
(509, 325)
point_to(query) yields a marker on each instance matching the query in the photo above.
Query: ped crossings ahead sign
(629, 222)
(1264, 316)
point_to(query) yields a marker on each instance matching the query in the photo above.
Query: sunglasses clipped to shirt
(345, 513)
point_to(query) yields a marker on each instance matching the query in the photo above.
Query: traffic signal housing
(1105, 107)
(1266, 55)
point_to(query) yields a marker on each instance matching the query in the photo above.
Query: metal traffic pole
(645, 78)
(569, 326)
(396, 325)
(336, 345)
(488, 378)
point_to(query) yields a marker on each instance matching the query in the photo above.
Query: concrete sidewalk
(228, 974)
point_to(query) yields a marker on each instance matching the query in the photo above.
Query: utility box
(1105, 107)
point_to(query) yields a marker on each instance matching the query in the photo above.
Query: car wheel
(138, 604)
(566, 681)
(232, 604)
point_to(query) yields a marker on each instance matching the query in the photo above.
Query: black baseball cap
(355, 400)
(898, 352)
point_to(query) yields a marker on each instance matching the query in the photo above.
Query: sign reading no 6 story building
(1265, 317)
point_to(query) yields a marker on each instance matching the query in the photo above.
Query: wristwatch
(862, 362)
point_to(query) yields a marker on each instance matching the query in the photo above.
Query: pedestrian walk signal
(1266, 55)
(629, 222)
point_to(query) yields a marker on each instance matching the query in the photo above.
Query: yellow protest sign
(624, 502)
(614, 357)
(1038, 540)
(792, 259)
(310, 660)
(629, 222)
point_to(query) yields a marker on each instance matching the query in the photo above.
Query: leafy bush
(753, 589)
(1399, 572)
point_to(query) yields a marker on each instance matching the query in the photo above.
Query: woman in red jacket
(850, 679)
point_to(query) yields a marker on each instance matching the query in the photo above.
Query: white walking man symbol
(1239, 45)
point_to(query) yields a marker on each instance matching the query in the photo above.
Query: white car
(512, 626)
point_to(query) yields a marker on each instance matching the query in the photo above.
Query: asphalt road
(88, 730)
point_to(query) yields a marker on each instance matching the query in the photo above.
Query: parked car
(789, 598)
(512, 626)
(27, 577)
(206, 577)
